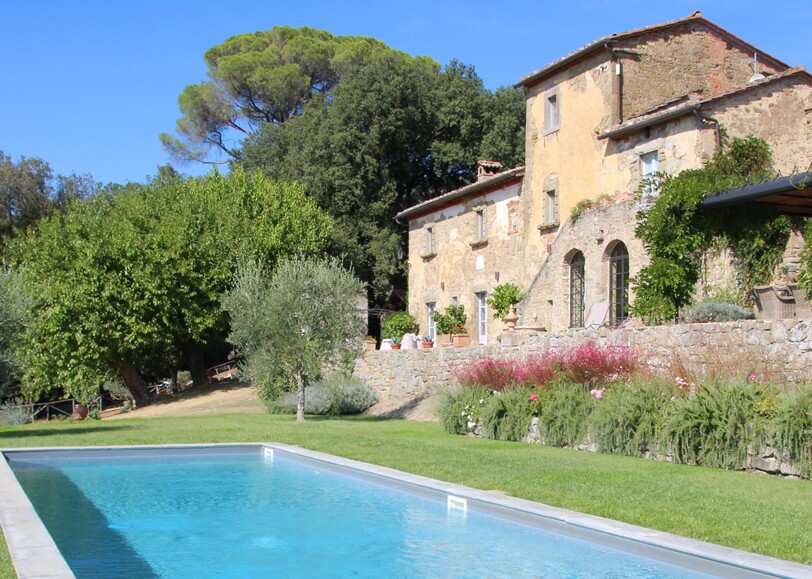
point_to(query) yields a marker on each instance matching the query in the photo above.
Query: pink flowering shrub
(594, 365)
(492, 373)
(586, 364)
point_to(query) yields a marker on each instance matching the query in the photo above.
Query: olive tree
(295, 321)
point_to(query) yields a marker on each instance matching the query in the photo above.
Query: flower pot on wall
(396, 346)
(428, 344)
(460, 340)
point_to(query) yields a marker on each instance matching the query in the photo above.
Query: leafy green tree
(260, 78)
(129, 283)
(294, 322)
(394, 132)
(14, 308)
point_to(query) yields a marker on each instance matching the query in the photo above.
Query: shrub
(792, 425)
(14, 413)
(629, 415)
(540, 370)
(594, 365)
(714, 425)
(562, 421)
(117, 390)
(452, 320)
(507, 415)
(337, 395)
(491, 373)
(713, 311)
(503, 296)
(396, 324)
(456, 406)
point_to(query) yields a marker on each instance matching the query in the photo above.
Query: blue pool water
(239, 514)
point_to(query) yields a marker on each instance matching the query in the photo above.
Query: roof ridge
(600, 42)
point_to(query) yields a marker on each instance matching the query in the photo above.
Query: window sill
(428, 254)
(550, 131)
(547, 227)
(479, 243)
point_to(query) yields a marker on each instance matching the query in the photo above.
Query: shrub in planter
(713, 425)
(507, 414)
(628, 416)
(451, 321)
(456, 407)
(563, 417)
(396, 324)
(714, 311)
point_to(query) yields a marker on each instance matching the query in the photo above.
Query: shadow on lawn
(84, 429)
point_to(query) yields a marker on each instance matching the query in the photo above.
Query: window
(552, 112)
(431, 325)
(430, 245)
(481, 232)
(577, 290)
(649, 166)
(513, 218)
(482, 317)
(552, 207)
(618, 285)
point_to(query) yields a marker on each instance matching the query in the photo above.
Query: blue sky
(89, 85)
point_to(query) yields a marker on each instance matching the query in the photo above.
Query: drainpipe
(717, 128)
(618, 83)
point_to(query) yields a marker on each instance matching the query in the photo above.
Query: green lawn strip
(6, 568)
(762, 514)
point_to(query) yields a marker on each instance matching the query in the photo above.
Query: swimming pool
(262, 510)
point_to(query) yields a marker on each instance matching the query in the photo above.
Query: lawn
(763, 514)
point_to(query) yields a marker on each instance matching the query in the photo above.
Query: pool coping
(34, 553)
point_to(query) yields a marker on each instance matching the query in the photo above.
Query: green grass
(763, 514)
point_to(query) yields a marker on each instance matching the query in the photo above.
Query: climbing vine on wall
(676, 230)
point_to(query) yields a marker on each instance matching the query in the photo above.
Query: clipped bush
(562, 421)
(14, 413)
(457, 406)
(337, 395)
(628, 417)
(715, 311)
(792, 427)
(507, 415)
(715, 424)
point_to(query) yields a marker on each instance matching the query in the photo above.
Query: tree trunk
(300, 397)
(136, 386)
(197, 368)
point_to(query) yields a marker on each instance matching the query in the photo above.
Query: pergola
(789, 195)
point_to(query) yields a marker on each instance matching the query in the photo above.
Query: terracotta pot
(80, 411)
(428, 344)
(396, 346)
(369, 346)
(460, 340)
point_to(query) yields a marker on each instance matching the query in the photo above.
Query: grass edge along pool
(34, 553)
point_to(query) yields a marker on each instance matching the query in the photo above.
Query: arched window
(619, 285)
(577, 290)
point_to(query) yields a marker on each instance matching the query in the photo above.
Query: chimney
(487, 169)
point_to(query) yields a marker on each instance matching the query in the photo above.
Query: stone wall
(783, 347)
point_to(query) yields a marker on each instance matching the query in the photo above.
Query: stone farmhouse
(600, 121)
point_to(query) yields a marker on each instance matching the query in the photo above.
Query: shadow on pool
(99, 550)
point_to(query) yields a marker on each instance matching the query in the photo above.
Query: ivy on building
(676, 230)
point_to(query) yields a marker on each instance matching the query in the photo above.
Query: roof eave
(478, 187)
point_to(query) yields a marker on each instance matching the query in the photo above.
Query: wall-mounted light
(496, 275)
(442, 286)
(599, 237)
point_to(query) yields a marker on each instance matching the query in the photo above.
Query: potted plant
(369, 343)
(452, 322)
(427, 343)
(396, 324)
(503, 296)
